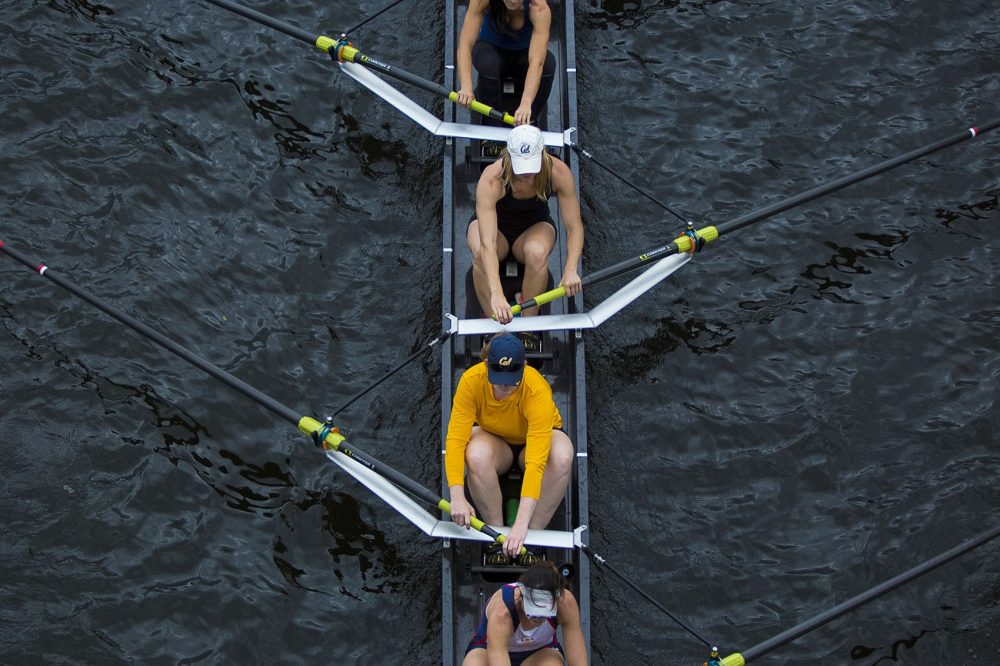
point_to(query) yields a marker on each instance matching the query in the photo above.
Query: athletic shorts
(511, 230)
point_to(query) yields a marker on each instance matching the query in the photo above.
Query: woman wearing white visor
(512, 217)
(519, 623)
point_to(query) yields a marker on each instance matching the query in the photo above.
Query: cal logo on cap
(505, 361)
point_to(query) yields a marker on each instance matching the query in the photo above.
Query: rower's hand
(515, 539)
(523, 115)
(465, 97)
(501, 309)
(461, 511)
(571, 282)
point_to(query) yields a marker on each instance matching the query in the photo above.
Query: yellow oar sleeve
(683, 243)
(310, 425)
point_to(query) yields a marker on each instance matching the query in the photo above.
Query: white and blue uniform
(523, 642)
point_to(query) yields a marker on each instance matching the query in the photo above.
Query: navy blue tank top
(489, 32)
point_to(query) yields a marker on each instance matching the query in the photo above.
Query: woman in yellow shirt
(503, 409)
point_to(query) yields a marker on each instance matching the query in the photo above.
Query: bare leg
(486, 458)
(532, 248)
(549, 657)
(476, 657)
(478, 276)
(558, 469)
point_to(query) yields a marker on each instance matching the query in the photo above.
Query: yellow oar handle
(541, 299)
(735, 659)
(480, 526)
(485, 109)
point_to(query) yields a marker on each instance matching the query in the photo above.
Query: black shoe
(532, 342)
(495, 556)
(491, 149)
(528, 559)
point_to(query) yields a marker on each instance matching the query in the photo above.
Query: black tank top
(515, 211)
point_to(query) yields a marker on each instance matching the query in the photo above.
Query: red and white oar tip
(974, 132)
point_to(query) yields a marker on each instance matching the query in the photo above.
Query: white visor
(538, 603)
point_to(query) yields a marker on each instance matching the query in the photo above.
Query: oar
(789, 635)
(321, 433)
(344, 52)
(693, 240)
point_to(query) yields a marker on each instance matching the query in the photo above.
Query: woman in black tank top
(512, 218)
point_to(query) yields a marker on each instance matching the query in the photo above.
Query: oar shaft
(789, 635)
(841, 183)
(165, 342)
(254, 15)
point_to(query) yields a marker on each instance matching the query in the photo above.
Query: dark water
(804, 411)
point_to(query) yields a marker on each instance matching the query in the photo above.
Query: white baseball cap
(525, 145)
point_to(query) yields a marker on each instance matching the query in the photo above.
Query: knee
(479, 461)
(549, 67)
(561, 456)
(486, 60)
(536, 255)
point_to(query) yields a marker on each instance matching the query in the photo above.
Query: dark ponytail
(544, 576)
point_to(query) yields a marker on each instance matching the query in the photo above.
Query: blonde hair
(543, 179)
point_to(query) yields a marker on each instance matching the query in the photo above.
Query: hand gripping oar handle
(692, 240)
(344, 52)
(306, 424)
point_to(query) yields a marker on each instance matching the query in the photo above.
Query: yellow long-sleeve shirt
(525, 417)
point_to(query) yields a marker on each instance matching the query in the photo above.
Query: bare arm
(519, 530)
(463, 56)
(569, 209)
(498, 632)
(568, 616)
(541, 23)
(538, 410)
(488, 192)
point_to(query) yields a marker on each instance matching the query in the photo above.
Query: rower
(520, 620)
(506, 38)
(503, 412)
(512, 218)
